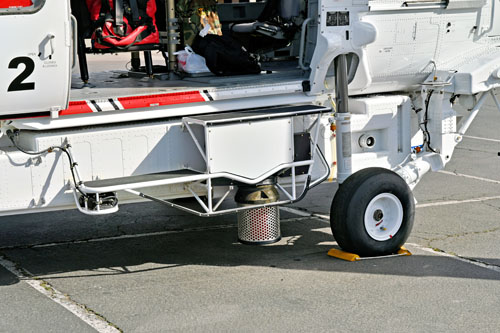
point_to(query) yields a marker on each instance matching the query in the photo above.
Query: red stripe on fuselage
(134, 102)
(76, 108)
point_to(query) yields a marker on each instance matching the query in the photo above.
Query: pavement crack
(492, 206)
(458, 235)
(476, 150)
(469, 260)
(431, 241)
(479, 261)
(415, 235)
(35, 245)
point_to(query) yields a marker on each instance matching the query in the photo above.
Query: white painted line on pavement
(466, 260)
(456, 202)
(469, 176)
(479, 138)
(425, 205)
(305, 213)
(322, 216)
(296, 211)
(79, 310)
(134, 236)
(431, 204)
(148, 234)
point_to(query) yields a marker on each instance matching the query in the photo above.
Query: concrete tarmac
(152, 269)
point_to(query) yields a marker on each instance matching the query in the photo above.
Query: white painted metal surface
(141, 114)
(383, 216)
(382, 120)
(407, 61)
(250, 148)
(101, 153)
(395, 40)
(35, 61)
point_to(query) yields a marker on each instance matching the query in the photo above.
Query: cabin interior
(269, 30)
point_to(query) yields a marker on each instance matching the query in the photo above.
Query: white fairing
(400, 43)
(35, 59)
(376, 133)
(226, 155)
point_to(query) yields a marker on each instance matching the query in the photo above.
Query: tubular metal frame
(211, 208)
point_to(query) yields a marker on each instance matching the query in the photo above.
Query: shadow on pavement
(6, 278)
(304, 247)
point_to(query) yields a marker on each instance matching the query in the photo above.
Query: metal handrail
(302, 43)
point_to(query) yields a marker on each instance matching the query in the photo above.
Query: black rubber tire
(349, 206)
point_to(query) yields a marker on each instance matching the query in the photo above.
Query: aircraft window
(13, 7)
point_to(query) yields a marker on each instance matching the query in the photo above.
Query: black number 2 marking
(18, 83)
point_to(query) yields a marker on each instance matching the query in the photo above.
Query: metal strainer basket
(259, 226)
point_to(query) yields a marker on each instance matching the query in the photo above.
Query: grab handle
(74, 23)
(302, 43)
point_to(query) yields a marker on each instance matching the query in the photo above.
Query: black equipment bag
(224, 56)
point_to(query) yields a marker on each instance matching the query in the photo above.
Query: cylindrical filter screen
(259, 225)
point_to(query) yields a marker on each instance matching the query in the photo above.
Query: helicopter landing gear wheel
(372, 213)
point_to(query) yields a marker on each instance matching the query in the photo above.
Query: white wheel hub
(383, 216)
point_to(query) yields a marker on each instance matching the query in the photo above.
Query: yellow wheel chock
(336, 253)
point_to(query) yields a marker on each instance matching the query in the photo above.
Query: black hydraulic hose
(327, 175)
(426, 131)
(308, 181)
(12, 136)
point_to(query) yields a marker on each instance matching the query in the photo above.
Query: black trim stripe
(114, 104)
(97, 107)
(210, 98)
(24, 115)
